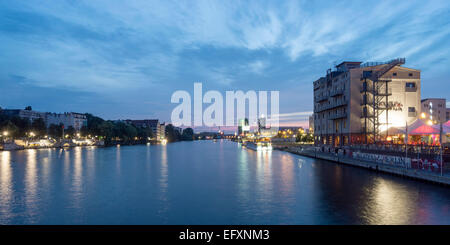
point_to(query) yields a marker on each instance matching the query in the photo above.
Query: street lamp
(5, 133)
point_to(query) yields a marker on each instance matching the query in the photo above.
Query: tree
(28, 108)
(172, 134)
(10, 127)
(70, 131)
(23, 126)
(55, 131)
(38, 127)
(188, 134)
(144, 133)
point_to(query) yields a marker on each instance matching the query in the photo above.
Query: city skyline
(124, 61)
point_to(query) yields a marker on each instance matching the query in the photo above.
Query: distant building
(158, 129)
(434, 109)
(264, 130)
(311, 124)
(447, 113)
(68, 119)
(243, 127)
(357, 103)
(27, 114)
(261, 124)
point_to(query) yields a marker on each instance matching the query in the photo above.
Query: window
(411, 109)
(394, 74)
(410, 85)
(410, 74)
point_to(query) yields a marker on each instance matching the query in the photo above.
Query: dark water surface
(204, 182)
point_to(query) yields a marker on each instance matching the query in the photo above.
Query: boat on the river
(259, 145)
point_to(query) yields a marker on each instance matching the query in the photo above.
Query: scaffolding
(375, 100)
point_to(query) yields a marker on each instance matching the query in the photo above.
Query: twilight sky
(124, 59)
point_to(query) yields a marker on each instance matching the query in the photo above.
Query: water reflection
(6, 192)
(31, 184)
(163, 183)
(77, 178)
(205, 182)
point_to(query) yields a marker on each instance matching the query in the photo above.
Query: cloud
(258, 66)
(146, 49)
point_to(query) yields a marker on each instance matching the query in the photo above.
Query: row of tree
(109, 131)
(17, 127)
(173, 134)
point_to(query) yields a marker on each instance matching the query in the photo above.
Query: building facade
(311, 124)
(434, 109)
(27, 114)
(447, 113)
(68, 119)
(357, 103)
(243, 127)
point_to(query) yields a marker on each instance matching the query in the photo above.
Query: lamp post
(406, 145)
(440, 144)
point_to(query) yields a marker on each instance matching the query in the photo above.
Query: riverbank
(407, 172)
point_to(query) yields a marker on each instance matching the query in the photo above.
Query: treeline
(17, 127)
(174, 135)
(110, 131)
(115, 131)
(305, 138)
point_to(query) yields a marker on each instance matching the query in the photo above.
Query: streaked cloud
(137, 51)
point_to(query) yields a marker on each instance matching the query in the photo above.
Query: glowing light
(422, 115)
(164, 141)
(429, 122)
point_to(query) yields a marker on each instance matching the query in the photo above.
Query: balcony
(320, 98)
(338, 115)
(331, 105)
(337, 92)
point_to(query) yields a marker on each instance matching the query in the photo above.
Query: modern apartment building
(357, 103)
(434, 109)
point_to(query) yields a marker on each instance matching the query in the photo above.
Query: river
(205, 182)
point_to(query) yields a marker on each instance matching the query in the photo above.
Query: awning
(420, 127)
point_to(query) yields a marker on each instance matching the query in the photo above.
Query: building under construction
(360, 103)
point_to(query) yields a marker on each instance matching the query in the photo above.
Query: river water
(205, 182)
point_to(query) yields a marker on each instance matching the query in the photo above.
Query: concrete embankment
(386, 168)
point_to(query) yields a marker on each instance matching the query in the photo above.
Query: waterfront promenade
(400, 170)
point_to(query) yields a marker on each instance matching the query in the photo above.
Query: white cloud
(257, 66)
